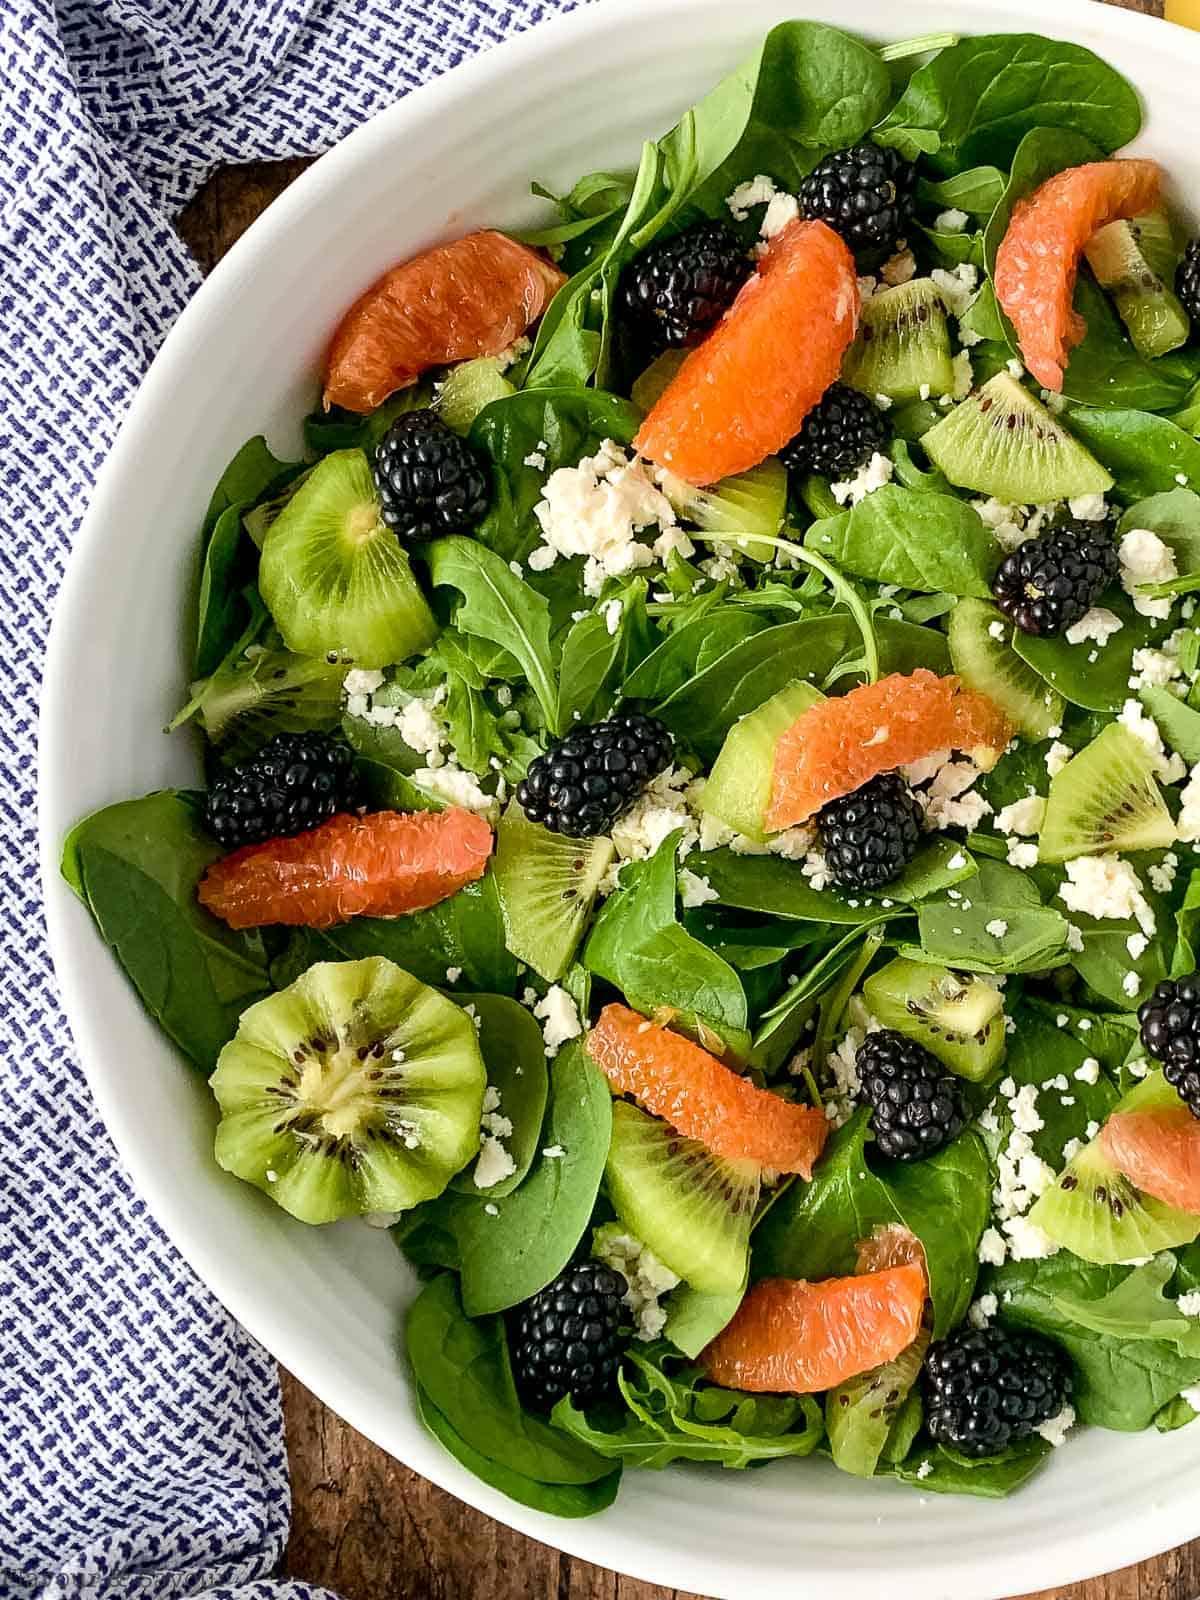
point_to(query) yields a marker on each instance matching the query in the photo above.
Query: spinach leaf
(977, 100)
(978, 191)
(135, 865)
(998, 926)
(675, 661)
(508, 1257)
(914, 539)
(940, 1470)
(1120, 1383)
(515, 1057)
(338, 429)
(556, 1499)
(1177, 722)
(498, 606)
(1099, 685)
(1175, 518)
(1144, 453)
(1106, 370)
(1187, 926)
(694, 1319)
(814, 1229)
(638, 945)
(1039, 1051)
(598, 657)
(250, 477)
(462, 1366)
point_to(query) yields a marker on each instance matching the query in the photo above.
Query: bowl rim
(1097, 1550)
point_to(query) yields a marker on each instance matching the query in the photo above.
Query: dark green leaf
(939, 1470)
(515, 1057)
(917, 540)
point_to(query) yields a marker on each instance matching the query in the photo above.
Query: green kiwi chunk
(653, 383)
(334, 576)
(249, 700)
(547, 885)
(1105, 798)
(355, 1089)
(959, 1018)
(751, 503)
(738, 790)
(983, 656)
(692, 1208)
(903, 344)
(1131, 259)
(468, 388)
(1004, 443)
(859, 1413)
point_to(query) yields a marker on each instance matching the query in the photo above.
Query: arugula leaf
(814, 1229)
(1136, 1308)
(911, 538)
(637, 944)
(976, 101)
(515, 1057)
(596, 658)
(135, 865)
(499, 606)
(463, 1367)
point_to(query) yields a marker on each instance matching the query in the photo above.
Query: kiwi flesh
(957, 1017)
(751, 503)
(1004, 443)
(983, 657)
(1122, 257)
(334, 577)
(468, 388)
(692, 1208)
(738, 790)
(903, 344)
(654, 382)
(859, 1413)
(249, 700)
(1105, 798)
(355, 1089)
(547, 885)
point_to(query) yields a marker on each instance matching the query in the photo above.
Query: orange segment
(701, 1097)
(1159, 1152)
(836, 745)
(472, 297)
(743, 393)
(890, 1245)
(381, 865)
(792, 1337)
(1038, 259)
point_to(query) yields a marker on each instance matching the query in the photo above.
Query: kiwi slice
(1123, 257)
(249, 700)
(753, 502)
(692, 1208)
(468, 388)
(355, 1089)
(903, 344)
(334, 577)
(859, 1413)
(980, 648)
(547, 885)
(738, 790)
(957, 1017)
(1105, 798)
(653, 383)
(1002, 442)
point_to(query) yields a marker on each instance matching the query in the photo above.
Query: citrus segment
(701, 1097)
(381, 865)
(469, 298)
(1159, 1152)
(743, 393)
(890, 1245)
(792, 1337)
(1038, 258)
(836, 745)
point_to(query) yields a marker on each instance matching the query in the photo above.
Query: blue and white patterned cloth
(141, 1446)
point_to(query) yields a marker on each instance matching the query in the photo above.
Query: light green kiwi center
(361, 522)
(335, 1090)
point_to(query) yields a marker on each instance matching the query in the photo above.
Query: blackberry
(587, 780)
(870, 836)
(430, 481)
(985, 1388)
(866, 194)
(675, 291)
(1187, 280)
(566, 1340)
(917, 1106)
(1050, 581)
(1170, 1022)
(840, 434)
(296, 781)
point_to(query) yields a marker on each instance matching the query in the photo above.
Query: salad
(701, 790)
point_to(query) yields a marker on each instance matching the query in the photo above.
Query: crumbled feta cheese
(694, 890)
(596, 509)
(1137, 945)
(782, 209)
(646, 1278)
(1022, 816)
(667, 805)
(1028, 1242)
(952, 221)
(1097, 625)
(611, 612)
(554, 1152)
(874, 475)
(1055, 1430)
(1057, 757)
(1089, 507)
(1021, 854)
(1189, 1304)
(996, 630)
(1189, 812)
(959, 288)
(420, 729)
(1146, 559)
(1023, 1106)
(993, 1248)
(1007, 522)
(494, 1163)
(1088, 1071)
(1171, 768)
(453, 974)
(1106, 886)
(457, 788)
(816, 869)
(758, 191)
(535, 459)
(925, 1470)
(1131, 983)
(1162, 877)
(997, 927)
(955, 864)
(360, 680)
(560, 1018)
(1154, 669)
(964, 376)
(949, 800)
(983, 1310)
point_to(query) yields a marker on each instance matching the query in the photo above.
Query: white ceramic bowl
(576, 94)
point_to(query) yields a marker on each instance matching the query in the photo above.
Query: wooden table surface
(363, 1524)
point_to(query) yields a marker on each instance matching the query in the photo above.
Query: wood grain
(363, 1524)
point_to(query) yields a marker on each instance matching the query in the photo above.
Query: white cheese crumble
(1106, 887)
(960, 288)
(611, 612)
(1132, 715)
(997, 927)
(1089, 507)
(1146, 559)
(1189, 1304)
(457, 788)
(782, 209)
(494, 1163)
(996, 630)
(874, 475)
(1189, 814)
(1162, 877)
(559, 1016)
(1057, 757)
(1096, 626)
(993, 1248)
(1028, 1242)
(983, 1310)
(1131, 983)
(694, 890)
(1022, 816)
(1020, 854)
(759, 191)
(1154, 669)
(949, 800)
(1056, 1429)
(646, 1277)
(1088, 1071)
(951, 221)
(597, 509)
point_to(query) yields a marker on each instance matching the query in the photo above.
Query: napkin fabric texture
(141, 1444)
